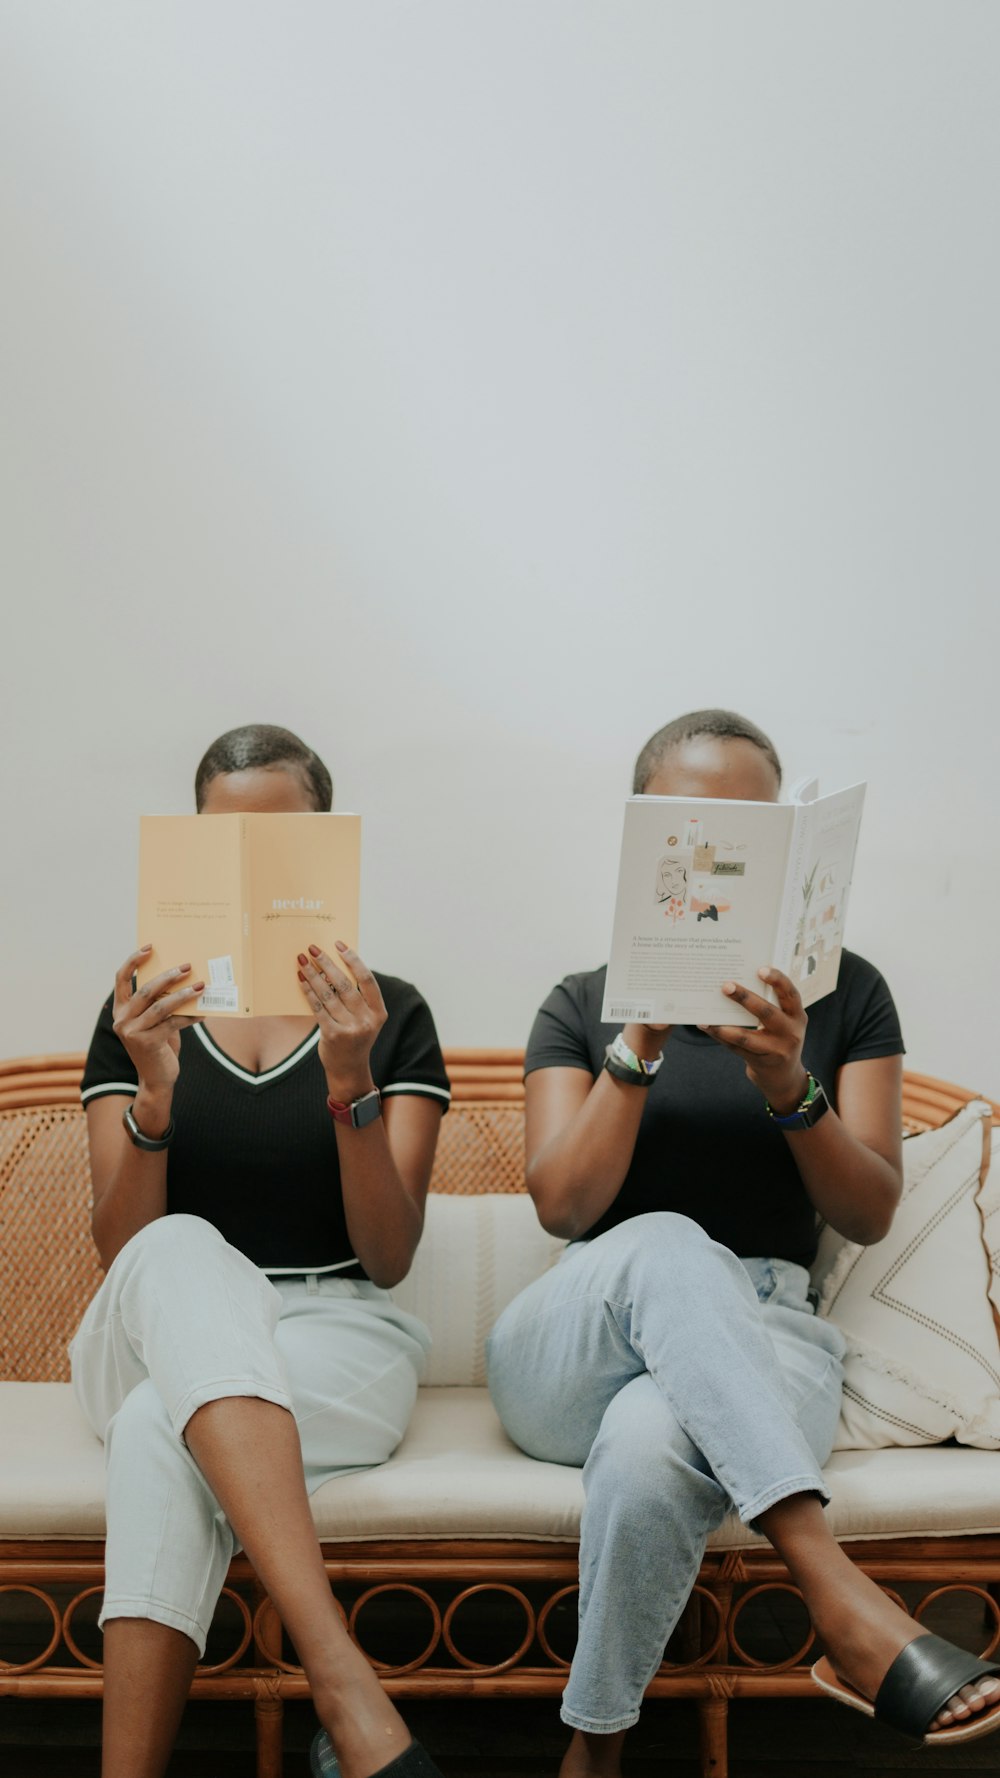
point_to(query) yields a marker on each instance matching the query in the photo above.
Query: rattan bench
(456, 1523)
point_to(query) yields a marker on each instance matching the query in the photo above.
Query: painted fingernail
(341, 945)
(184, 967)
(196, 987)
(302, 957)
(314, 950)
(301, 976)
(145, 947)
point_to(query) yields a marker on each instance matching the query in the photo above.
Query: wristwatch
(151, 1144)
(359, 1112)
(623, 1064)
(808, 1111)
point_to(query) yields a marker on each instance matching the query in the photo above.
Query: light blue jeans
(182, 1319)
(684, 1381)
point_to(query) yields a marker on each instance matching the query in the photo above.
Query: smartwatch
(623, 1064)
(808, 1111)
(359, 1112)
(151, 1144)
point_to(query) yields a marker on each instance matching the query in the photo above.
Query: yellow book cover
(239, 896)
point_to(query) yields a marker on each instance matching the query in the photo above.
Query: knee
(661, 1240)
(169, 1240)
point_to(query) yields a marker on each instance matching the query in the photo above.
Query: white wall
(471, 388)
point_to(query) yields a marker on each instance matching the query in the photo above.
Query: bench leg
(713, 1722)
(268, 1713)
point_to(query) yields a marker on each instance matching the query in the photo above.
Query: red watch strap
(343, 1111)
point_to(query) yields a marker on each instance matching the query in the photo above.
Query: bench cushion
(456, 1474)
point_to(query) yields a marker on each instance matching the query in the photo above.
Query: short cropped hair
(725, 725)
(260, 746)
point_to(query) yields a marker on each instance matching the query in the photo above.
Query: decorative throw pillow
(476, 1253)
(923, 1358)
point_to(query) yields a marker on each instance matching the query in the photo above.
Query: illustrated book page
(710, 891)
(239, 896)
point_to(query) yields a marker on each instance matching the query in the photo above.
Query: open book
(239, 896)
(710, 891)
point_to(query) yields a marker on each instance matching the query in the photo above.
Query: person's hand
(350, 1015)
(149, 1020)
(772, 1051)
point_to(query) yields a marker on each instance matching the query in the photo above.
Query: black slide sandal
(413, 1762)
(924, 1675)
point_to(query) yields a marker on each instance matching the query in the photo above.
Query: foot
(863, 1641)
(593, 1756)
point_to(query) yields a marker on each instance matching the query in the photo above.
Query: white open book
(710, 891)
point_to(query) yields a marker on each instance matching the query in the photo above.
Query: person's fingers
(321, 994)
(331, 970)
(789, 998)
(123, 977)
(741, 1038)
(364, 980)
(764, 1011)
(163, 1008)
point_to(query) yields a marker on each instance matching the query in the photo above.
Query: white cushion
(923, 1360)
(476, 1254)
(456, 1474)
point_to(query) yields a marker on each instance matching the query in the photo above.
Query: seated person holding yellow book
(674, 1352)
(259, 1185)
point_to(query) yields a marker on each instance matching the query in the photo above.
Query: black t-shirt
(706, 1146)
(256, 1154)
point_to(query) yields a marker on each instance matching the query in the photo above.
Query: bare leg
(861, 1628)
(147, 1676)
(249, 1452)
(593, 1756)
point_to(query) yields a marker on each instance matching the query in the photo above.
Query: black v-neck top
(706, 1146)
(256, 1154)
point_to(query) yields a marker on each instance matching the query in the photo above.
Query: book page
(699, 893)
(189, 902)
(304, 888)
(831, 840)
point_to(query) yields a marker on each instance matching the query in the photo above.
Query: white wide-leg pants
(181, 1319)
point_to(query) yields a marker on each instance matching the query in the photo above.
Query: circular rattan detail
(709, 1653)
(542, 1626)
(793, 1660)
(71, 1643)
(244, 1642)
(960, 1586)
(11, 1667)
(417, 1593)
(523, 1646)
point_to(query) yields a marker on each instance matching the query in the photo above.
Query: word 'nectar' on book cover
(239, 896)
(711, 891)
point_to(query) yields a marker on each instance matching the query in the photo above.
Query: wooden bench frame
(709, 1663)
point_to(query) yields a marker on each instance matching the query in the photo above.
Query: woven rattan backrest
(48, 1266)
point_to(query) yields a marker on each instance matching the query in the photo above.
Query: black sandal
(413, 1762)
(920, 1681)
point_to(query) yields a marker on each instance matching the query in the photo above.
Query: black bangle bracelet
(149, 1144)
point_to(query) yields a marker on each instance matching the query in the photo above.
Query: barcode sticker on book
(223, 999)
(630, 1012)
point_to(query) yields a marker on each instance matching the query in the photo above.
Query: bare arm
(851, 1164)
(385, 1168)
(580, 1135)
(129, 1183)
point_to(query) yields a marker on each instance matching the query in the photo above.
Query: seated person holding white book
(674, 1352)
(224, 1151)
